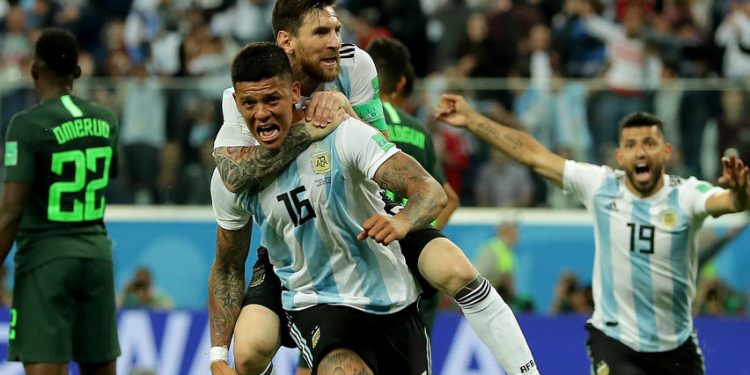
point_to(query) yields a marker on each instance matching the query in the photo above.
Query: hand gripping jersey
(309, 218)
(357, 79)
(646, 262)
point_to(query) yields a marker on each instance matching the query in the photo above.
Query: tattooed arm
(518, 145)
(405, 177)
(226, 283)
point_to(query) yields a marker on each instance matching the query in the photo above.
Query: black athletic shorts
(265, 289)
(609, 356)
(393, 344)
(412, 246)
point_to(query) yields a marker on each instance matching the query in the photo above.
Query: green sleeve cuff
(372, 113)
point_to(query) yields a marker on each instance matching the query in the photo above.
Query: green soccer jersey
(412, 138)
(65, 148)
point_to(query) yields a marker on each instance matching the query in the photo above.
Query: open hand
(319, 132)
(384, 229)
(323, 107)
(734, 175)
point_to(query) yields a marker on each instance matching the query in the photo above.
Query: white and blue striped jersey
(309, 218)
(646, 259)
(357, 80)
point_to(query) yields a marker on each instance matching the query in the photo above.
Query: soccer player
(335, 76)
(645, 225)
(351, 301)
(396, 77)
(60, 155)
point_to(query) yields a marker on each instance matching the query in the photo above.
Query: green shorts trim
(64, 310)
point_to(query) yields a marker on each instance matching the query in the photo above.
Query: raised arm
(404, 176)
(736, 197)
(518, 145)
(226, 286)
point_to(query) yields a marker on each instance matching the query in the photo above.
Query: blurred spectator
(171, 187)
(733, 125)
(627, 77)
(445, 30)
(198, 175)
(140, 292)
(570, 297)
(143, 133)
(495, 257)
(15, 45)
(502, 182)
(581, 55)
(734, 33)
(366, 25)
(246, 21)
(715, 297)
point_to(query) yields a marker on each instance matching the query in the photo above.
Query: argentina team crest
(321, 159)
(668, 218)
(321, 162)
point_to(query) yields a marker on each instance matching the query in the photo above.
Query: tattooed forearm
(226, 284)
(245, 167)
(402, 175)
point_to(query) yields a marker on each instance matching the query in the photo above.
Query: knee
(253, 353)
(343, 362)
(445, 266)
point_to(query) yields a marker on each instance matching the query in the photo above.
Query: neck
(307, 83)
(52, 91)
(631, 187)
(395, 100)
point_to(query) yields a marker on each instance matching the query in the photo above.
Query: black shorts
(609, 356)
(265, 289)
(390, 344)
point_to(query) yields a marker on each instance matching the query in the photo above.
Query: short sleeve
(233, 130)
(693, 196)
(228, 214)
(362, 147)
(365, 91)
(19, 152)
(583, 179)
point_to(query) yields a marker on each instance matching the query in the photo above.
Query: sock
(493, 321)
(268, 370)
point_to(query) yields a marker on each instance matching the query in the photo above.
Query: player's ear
(667, 151)
(618, 156)
(296, 91)
(285, 41)
(34, 71)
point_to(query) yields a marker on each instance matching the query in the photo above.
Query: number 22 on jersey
(83, 161)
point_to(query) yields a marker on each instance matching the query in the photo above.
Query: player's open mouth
(268, 133)
(330, 61)
(642, 170)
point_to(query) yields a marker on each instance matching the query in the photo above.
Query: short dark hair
(259, 61)
(289, 14)
(57, 49)
(392, 60)
(639, 119)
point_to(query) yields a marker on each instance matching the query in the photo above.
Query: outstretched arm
(404, 176)
(518, 145)
(736, 197)
(226, 284)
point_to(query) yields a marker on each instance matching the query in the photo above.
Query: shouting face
(267, 107)
(643, 154)
(315, 48)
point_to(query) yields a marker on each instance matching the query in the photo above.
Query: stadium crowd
(142, 54)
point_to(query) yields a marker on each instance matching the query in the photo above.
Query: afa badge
(668, 218)
(321, 163)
